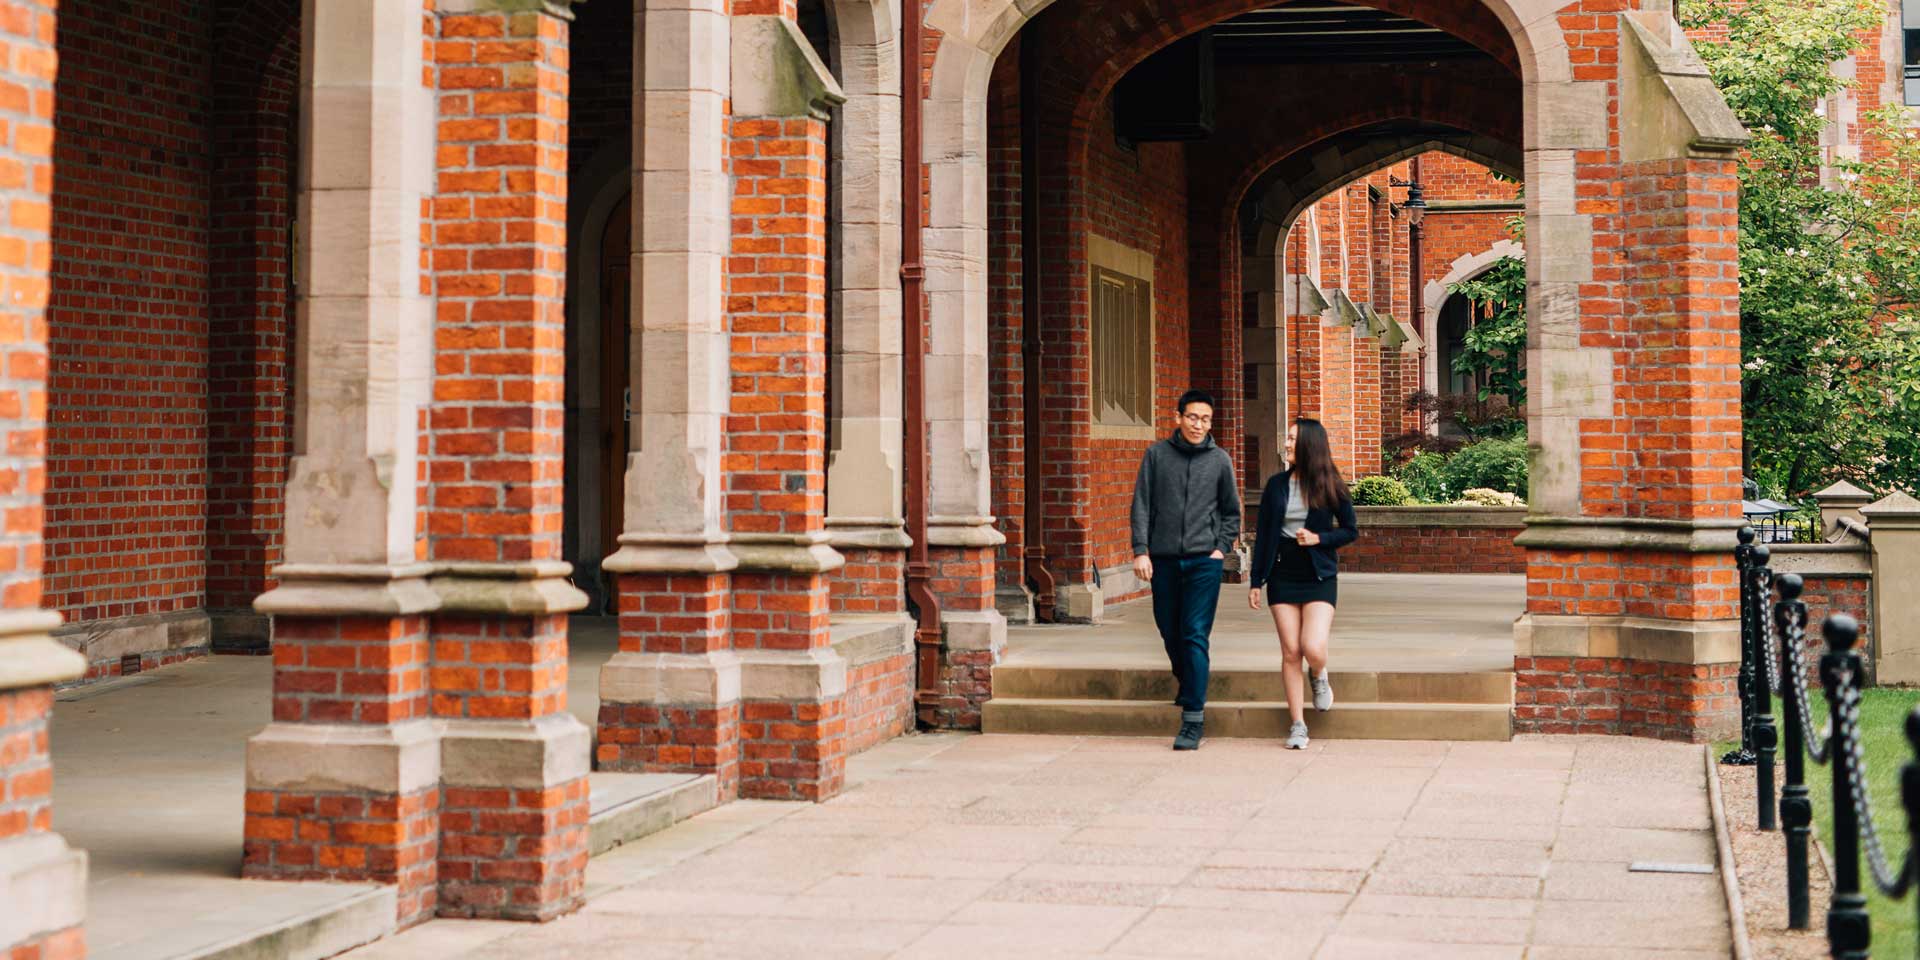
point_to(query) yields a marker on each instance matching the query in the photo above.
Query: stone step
(1151, 684)
(279, 921)
(628, 806)
(1269, 720)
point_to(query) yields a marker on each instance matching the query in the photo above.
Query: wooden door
(616, 398)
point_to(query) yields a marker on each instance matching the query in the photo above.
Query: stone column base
(1638, 676)
(513, 817)
(1015, 603)
(43, 882)
(347, 803)
(1081, 603)
(975, 642)
(793, 724)
(671, 713)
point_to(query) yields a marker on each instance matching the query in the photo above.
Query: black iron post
(1849, 934)
(1742, 561)
(1765, 736)
(1910, 790)
(1796, 808)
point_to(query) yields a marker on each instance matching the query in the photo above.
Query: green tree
(1496, 342)
(1829, 253)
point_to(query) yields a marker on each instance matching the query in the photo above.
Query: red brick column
(42, 881)
(670, 698)
(667, 727)
(1672, 457)
(344, 784)
(1630, 624)
(514, 761)
(793, 725)
(360, 680)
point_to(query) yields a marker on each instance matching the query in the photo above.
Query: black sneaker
(1190, 733)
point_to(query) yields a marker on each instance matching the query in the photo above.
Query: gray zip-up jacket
(1185, 500)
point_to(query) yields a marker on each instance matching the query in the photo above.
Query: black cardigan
(1336, 528)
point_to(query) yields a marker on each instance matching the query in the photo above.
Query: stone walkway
(999, 846)
(1387, 621)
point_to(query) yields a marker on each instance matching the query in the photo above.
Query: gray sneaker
(1322, 692)
(1297, 737)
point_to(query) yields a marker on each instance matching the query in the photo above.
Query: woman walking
(1305, 515)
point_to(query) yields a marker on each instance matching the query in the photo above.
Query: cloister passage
(905, 294)
(1222, 196)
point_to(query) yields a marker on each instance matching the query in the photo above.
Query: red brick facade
(1640, 698)
(1435, 549)
(27, 160)
(149, 337)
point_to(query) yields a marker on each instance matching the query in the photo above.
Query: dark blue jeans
(1186, 590)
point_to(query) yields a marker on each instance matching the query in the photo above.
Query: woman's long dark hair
(1313, 465)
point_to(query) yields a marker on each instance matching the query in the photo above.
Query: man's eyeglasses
(1197, 418)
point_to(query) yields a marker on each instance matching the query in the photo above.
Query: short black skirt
(1293, 579)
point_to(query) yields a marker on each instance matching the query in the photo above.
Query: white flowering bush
(1484, 497)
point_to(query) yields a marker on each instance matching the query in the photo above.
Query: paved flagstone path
(999, 846)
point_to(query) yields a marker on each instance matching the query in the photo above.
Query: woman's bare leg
(1286, 619)
(1316, 625)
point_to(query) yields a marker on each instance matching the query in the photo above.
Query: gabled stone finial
(1841, 492)
(1895, 510)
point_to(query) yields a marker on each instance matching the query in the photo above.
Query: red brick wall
(126, 524)
(1434, 550)
(250, 317)
(1444, 176)
(1826, 596)
(1138, 198)
(1135, 197)
(1641, 698)
(169, 320)
(879, 701)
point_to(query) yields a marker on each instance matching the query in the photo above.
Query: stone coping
(1847, 559)
(864, 639)
(1428, 515)
(1441, 515)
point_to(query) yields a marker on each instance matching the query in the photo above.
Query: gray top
(1295, 518)
(1185, 500)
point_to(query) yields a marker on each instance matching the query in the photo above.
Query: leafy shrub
(1380, 492)
(1493, 464)
(1423, 477)
(1483, 497)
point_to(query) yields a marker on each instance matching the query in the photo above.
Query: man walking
(1186, 516)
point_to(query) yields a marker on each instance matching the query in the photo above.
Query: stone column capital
(30, 656)
(1545, 532)
(535, 588)
(787, 553)
(671, 553)
(349, 590)
(562, 9)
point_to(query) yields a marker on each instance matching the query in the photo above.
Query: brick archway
(1464, 268)
(1635, 464)
(1275, 203)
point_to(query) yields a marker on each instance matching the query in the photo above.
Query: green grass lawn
(1883, 714)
